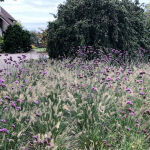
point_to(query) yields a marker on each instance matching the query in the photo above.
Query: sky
(34, 14)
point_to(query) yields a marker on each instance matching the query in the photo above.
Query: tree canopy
(118, 24)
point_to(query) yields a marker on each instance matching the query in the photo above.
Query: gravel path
(15, 57)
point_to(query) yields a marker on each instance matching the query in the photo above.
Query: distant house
(5, 20)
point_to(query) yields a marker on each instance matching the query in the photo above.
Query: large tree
(118, 24)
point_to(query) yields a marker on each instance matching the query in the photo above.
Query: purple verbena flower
(8, 98)
(129, 102)
(94, 89)
(13, 104)
(27, 120)
(18, 108)
(105, 141)
(35, 138)
(128, 129)
(4, 121)
(141, 93)
(4, 130)
(16, 81)
(36, 101)
(2, 81)
(5, 109)
(131, 113)
(38, 114)
(130, 110)
(13, 125)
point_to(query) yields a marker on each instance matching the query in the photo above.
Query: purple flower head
(109, 79)
(24, 56)
(3, 85)
(19, 100)
(105, 141)
(4, 130)
(35, 138)
(27, 120)
(38, 114)
(5, 109)
(4, 121)
(128, 129)
(18, 108)
(117, 78)
(129, 90)
(129, 102)
(141, 93)
(36, 102)
(26, 81)
(30, 88)
(22, 134)
(139, 81)
(131, 113)
(130, 110)
(45, 72)
(13, 104)
(144, 131)
(2, 81)
(117, 72)
(30, 133)
(8, 98)
(147, 112)
(16, 81)
(10, 58)
(123, 112)
(13, 125)
(141, 73)
(94, 89)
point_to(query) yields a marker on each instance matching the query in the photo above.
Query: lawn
(79, 105)
(39, 50)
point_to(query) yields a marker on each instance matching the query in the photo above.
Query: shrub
(16, 39)
(1, 43)
(106, 23)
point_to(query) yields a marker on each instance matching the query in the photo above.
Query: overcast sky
(34, 13)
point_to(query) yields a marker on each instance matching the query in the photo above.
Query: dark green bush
(1, 43)
(118, 24)
(16, 39)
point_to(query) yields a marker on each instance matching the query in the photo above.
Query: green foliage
(1, 43)
(147, 14)
(106, 23)
(39, 39)
(34, 39)
(16, 39)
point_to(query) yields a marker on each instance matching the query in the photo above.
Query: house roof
(6, 16)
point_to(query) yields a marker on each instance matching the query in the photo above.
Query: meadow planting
(74, 105)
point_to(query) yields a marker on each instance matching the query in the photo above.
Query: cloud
(35, 12)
